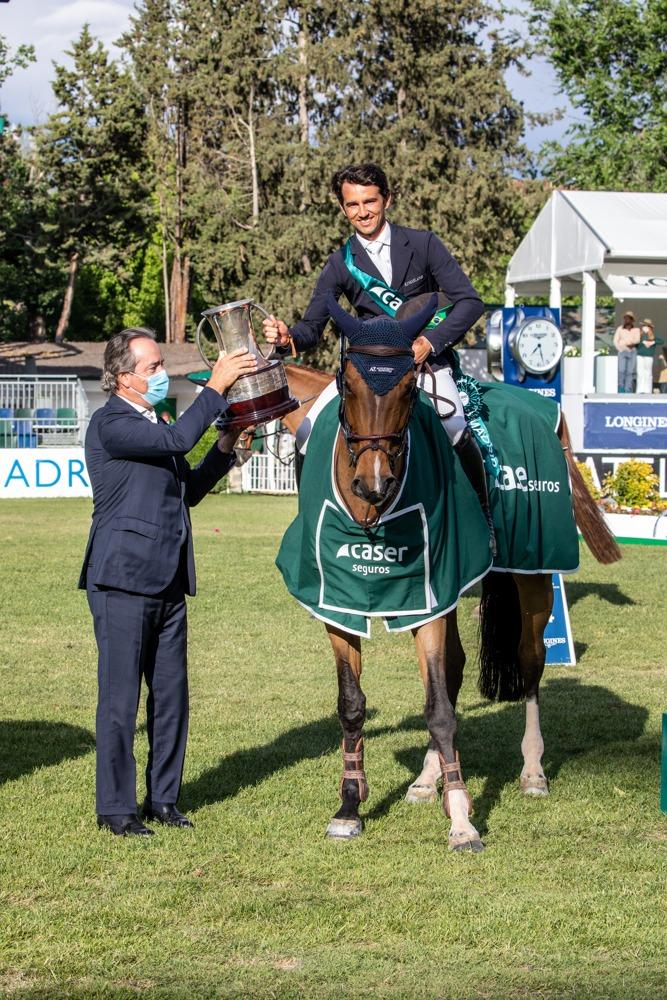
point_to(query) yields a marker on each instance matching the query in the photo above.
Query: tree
(25, 289)
(91, 152)
(611, 61)
(166, 78)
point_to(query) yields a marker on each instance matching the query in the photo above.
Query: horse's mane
(308, 370)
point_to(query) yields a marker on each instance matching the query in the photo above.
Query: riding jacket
(420, 263)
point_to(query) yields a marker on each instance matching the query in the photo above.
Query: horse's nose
(375, 496)
(359, 488)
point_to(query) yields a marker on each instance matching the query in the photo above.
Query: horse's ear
(350, 325)
(414, 325)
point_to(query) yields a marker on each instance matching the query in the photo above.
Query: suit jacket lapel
(401, 255)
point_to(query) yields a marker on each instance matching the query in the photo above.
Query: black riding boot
(471, 459)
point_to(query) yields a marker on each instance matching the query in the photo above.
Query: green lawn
(567, 901)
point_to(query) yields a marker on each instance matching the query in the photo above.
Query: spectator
(626, 338)
(662, 377)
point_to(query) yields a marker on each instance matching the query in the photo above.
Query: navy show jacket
(142, 489)
(420, 263)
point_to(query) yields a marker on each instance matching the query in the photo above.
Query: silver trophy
(259, 396)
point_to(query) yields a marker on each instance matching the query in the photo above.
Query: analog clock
(536, 345)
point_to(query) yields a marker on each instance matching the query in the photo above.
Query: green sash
(388, 299)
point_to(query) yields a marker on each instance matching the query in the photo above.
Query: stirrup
(452, 779)
(355, 773)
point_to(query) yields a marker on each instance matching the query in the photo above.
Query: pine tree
(428, 99)
(91, 153)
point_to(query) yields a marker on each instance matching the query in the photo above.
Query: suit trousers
(140, 636)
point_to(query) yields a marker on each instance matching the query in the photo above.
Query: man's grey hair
(119, 356)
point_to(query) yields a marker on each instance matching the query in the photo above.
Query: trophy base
(261, 409)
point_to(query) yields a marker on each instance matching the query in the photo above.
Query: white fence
(41, 410)
(268, 474)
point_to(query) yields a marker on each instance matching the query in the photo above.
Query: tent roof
(580, 231)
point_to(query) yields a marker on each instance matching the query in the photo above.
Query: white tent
(582, 237)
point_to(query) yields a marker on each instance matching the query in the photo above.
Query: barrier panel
(33, 472)
(268, 474)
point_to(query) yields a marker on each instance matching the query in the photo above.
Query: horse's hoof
(344, 829)
(463, 842)
(535, 785)
(417, 794)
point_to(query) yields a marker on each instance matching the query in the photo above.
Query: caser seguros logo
(375, 557)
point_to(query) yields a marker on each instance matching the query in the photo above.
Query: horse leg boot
(472, 462)
(425, 787)
(441, 721)
(536, 597)
(353, 788)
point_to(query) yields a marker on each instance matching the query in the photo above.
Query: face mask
(158, 387)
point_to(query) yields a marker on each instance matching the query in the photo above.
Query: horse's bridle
(373, 441)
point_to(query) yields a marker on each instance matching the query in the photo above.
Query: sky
(51, 26)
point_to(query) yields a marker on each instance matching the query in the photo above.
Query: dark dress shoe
(124, 826)
(168, 815)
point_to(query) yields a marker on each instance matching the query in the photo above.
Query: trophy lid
(227, 307)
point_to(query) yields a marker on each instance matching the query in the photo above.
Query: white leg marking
(533, 780)
(424, 788)
(461, 831)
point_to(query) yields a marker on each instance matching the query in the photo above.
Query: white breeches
(453, 420)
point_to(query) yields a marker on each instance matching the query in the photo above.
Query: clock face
(537, 345)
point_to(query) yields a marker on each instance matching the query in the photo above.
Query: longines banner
(625, 426)
(43, 472)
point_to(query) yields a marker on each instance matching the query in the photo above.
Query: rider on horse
(379, 270)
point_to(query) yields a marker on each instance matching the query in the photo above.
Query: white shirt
(379, 251)
(146, 411)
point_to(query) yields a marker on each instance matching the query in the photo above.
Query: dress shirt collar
(375, 246)
(145, 411)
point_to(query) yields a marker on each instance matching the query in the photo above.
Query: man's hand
(421, 348)
(276, 332)
(228, 367)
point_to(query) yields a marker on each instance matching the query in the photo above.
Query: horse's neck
(306, 384)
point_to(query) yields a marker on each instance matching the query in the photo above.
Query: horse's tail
(500, 675)
(591, 523)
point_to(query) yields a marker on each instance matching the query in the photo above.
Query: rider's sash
(388, 299)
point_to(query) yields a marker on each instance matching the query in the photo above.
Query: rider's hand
(276, 332)
(421, 348)
(228, 367)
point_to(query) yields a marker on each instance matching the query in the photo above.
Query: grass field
(567, 901)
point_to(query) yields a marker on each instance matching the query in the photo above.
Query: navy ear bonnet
(380, 374)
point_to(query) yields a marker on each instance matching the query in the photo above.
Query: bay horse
(369, 462)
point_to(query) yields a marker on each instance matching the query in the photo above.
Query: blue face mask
(158, 387)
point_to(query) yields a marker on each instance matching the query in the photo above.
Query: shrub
(634, 484)
(587, 477)
(195, 456)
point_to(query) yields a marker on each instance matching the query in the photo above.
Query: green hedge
(204, 445)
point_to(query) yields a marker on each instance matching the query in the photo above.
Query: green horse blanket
(432, 543)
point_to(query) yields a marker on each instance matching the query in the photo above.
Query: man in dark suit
(408, 263)
(138, 566)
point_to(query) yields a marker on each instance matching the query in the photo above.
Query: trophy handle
(198, 342)
(256, 305)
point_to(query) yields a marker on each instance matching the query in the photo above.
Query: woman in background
(626, 338)
(647, 357)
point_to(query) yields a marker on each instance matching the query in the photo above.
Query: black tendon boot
(473, 465)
